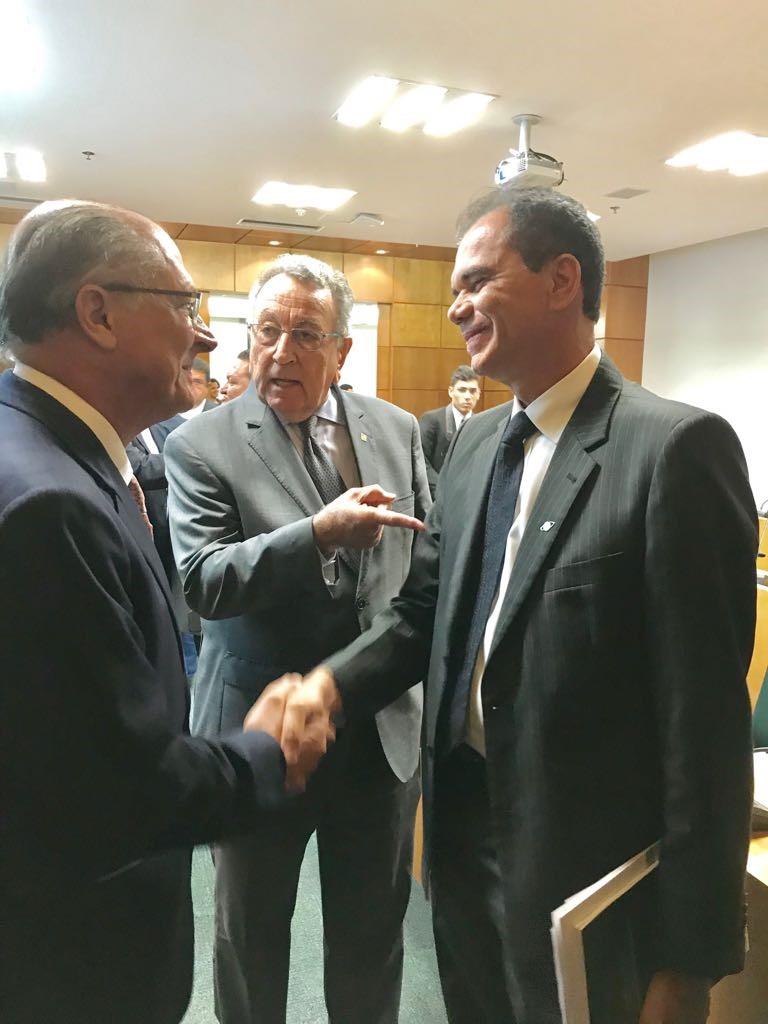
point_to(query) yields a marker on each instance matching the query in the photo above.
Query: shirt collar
(194, 411)
(551, 411)
(91, 417)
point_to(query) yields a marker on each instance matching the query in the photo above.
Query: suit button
(360, 603)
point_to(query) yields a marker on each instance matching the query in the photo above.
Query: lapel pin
(546, 527)
(363, 437)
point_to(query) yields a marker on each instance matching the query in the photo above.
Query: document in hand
(594, 947)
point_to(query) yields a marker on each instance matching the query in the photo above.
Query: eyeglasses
(267, 336)
(192, 307)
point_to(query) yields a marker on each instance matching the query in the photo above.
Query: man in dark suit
(292, 516)
(104, 792)
(586, 661)
(438, 426)
(200, 375)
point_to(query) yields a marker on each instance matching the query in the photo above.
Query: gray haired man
(292, 515)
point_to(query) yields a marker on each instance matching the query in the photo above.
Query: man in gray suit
(585, 585)
(292, 513)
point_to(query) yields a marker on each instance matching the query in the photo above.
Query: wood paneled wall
(622, 315)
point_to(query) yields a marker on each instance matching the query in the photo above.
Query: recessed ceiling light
(30, 165)
(457, 114)
(739, 153)
(21, 48)
(274, 241)
(382, 252)
(413, 107)
(366, 101)
(280, 193)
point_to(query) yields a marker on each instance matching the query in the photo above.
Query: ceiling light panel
(414, 106)
(299, 197)
(594, 217)
(366, 101)
(457, 114)
(21, 49)
(740, 153)
(30, 165)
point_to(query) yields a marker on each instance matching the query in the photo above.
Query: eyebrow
(471, 272)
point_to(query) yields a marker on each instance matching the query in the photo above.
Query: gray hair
(542, 225)
(307, 268)
(54, 250)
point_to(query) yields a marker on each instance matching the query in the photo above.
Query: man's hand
(267, 715)
(674, 998)
(357, 518)
(309, 710)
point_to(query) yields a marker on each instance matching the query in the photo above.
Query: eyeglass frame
(322, 335)
(135, 289)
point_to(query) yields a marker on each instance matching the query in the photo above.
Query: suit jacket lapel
(450, 422)
(363, 439)
(84, 447)
(269, 440)
(570, 468)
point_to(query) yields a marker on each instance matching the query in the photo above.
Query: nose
(460, 309)
(204, 339)
(283, 352)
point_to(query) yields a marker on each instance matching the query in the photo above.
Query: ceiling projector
(524, 167)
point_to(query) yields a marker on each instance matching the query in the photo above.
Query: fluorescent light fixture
(366, 101)
(739, 153)
(593, 216)
(413, 107)
(382, 252)
(30, 165)
(280, 193)
(21, 48)
(457, 114)
(274, 241)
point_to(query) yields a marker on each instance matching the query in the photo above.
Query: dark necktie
(499, 516)
(325, 477)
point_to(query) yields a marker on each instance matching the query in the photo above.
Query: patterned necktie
(138, 496)
(499, 516)
(325, 477)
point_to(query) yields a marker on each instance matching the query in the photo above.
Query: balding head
(62, 245)
(98, 298)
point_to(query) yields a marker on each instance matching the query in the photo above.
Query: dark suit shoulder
(433, 417)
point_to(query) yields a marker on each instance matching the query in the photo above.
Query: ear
(344, 346)
(565, 277)
(95, 317)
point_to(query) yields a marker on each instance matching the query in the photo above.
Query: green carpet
(421, 1003)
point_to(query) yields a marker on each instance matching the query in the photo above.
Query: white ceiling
(190, 107)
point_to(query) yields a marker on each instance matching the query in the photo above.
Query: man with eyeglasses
(292, 513)
(104, 791)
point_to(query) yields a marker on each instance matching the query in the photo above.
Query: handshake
(298, 712)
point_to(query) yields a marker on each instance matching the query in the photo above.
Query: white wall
(706, 338)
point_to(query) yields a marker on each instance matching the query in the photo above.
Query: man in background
(586, 694)
(213, 390)
(201, 377)
(104, 792)
(238, 378)
(292, 514)
(439, 425)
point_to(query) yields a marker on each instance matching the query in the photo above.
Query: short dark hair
(543, 224)
(212, 380)
(202, 367)
(463, 373)
(244, 356)
(54, 250)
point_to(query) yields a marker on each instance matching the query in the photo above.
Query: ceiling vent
(367, 218)
(277, 225)
(626, 193)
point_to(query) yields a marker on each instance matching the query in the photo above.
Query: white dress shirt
(458, 419)
(195, 410)
(91, 417)
(149, 441)
(550, 414)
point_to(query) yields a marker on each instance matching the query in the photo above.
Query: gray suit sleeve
(421, 488)
(701, 543)
(224, 574)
